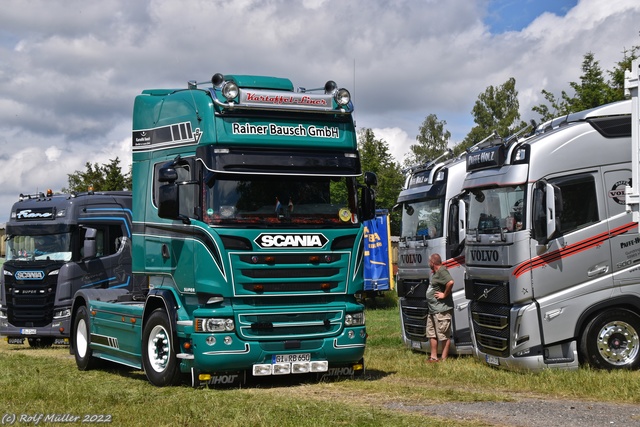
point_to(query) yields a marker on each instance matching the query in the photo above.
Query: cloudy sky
(69, 70)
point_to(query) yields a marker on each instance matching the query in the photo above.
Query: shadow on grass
(379, 300)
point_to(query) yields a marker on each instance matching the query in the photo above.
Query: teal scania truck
(247, 252)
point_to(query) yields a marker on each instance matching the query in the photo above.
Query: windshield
(422, 219)
(492, 210)
(258, 199)
(39, 247)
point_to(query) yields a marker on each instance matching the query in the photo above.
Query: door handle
(462, 306)
(598, 271)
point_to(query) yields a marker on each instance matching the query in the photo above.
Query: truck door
(456, 226)
(576, 262)
(169, 247)
(625, 245)
(111, 267)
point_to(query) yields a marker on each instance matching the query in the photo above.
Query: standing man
(440, 304)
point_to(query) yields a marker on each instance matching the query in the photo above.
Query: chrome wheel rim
(618, 343)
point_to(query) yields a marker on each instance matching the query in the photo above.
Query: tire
(42, 342)
(611, 340)
(158, 356)
(82, 340)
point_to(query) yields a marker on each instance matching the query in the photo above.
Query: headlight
(214, 325)
(59, 314)
(230, 90)
(354, 319)
(342, 97)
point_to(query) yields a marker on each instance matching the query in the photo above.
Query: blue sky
(515, 15)
(70, 69)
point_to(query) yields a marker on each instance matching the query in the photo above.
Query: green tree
(617, 74)
(495, 110)
(106, 177)
(558, 107)
(432, 141)
(375, 157)
(592, 90)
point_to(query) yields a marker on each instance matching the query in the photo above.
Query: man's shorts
(439, 325)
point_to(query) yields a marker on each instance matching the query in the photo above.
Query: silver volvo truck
(552, 252)
(433, 221)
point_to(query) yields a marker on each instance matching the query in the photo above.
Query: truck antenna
(191, 85)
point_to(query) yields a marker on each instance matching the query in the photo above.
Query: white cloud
(397, 139)
(53, 153)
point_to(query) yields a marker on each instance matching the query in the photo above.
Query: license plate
(492, 360)
(15, 340)
(29, 331)
(415, 344)
(291, 358)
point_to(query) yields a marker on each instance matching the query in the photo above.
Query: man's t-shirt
(437, 284)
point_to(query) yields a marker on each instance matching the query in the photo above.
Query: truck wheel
(82, 340)
(42, 342)
(611, 340)
(158, 358)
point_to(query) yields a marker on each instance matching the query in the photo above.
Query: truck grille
(412, 288)
(493, 345)
(414, 318)
(30, 303)
(487, 291)
(290, 325)
(491, 327)
(275, 274)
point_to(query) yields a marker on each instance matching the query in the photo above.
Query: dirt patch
(531, 412)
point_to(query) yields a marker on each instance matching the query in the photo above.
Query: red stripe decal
(454, 262)
(570, 250)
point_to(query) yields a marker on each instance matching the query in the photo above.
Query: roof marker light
(521, 154)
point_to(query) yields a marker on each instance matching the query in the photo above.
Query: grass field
(34, 382)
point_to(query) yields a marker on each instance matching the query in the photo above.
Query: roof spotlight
(342, 97)
(230, 90)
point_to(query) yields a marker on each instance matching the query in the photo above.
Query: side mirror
(456, 230)
(89, 247)
(547, 207)
(462, 220)
(167, 174)
(370, 179)
(368, 204)
(368, 197)
(168, 205)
